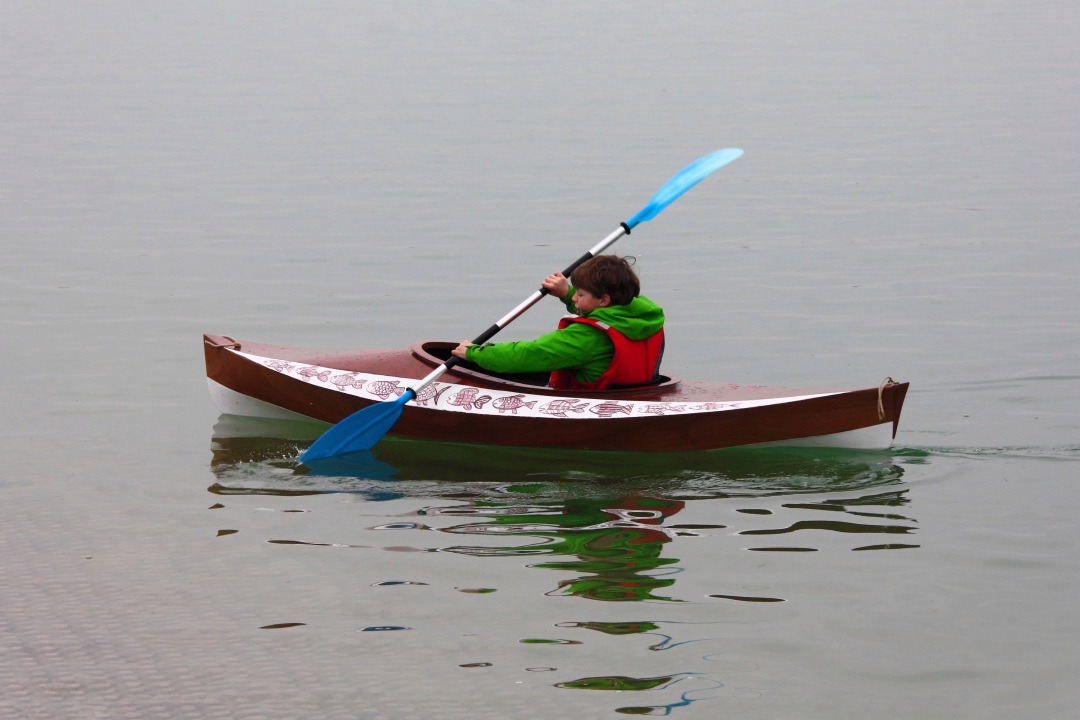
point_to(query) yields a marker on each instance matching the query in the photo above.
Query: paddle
(361, 430)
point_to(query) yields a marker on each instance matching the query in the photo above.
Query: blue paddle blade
(685, 179)
(360, 431)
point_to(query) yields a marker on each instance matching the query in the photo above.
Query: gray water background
(356, 175)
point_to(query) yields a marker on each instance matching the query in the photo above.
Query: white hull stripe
(482, 401)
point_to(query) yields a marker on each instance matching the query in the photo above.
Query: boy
(615, 337)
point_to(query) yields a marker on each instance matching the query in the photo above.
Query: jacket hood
(637, 320)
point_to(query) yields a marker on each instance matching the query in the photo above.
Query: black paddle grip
(574, 265)
(486, 335)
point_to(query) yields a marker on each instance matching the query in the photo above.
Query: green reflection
(252, 456)
(616, 628)
(617, 682)
(614, 545)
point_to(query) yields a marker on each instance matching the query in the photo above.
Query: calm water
(349, 175)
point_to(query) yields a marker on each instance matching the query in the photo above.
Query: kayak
(469, 405)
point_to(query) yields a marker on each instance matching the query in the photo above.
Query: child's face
(586, 302)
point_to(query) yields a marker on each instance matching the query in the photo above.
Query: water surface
(353, 176)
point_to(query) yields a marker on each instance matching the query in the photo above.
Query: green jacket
(584, 349)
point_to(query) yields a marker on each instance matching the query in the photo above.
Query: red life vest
(635, 362)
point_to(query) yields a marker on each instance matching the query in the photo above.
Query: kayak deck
(467, 405)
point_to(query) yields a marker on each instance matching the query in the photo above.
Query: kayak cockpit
(436, 352)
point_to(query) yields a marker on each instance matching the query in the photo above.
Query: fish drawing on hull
(661, 409)
(348, 380)
(279, 365)
(311, 372)
(466, 398)
(715, 406)
(511, 403)
(559, 408)
(430, 394)
(610, 408)
(385, 388)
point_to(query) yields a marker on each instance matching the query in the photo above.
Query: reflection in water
(261, 457)
(603, 518)
(748, 598)
(615, 542)
(700, 685)
(383, 628)
(644, 627)
(881, 523)
(622, 683)
(606, 523)
(618, 682)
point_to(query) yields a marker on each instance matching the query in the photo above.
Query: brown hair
(608, 275)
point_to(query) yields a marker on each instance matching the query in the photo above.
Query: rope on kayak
(880, 393)
(231, 344)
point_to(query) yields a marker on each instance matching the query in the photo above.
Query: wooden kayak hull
(467, 406)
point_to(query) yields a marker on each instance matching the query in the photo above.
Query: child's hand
(556, 284)
(461, 349)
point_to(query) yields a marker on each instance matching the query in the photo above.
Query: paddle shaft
(364, 428)
(518, 311)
